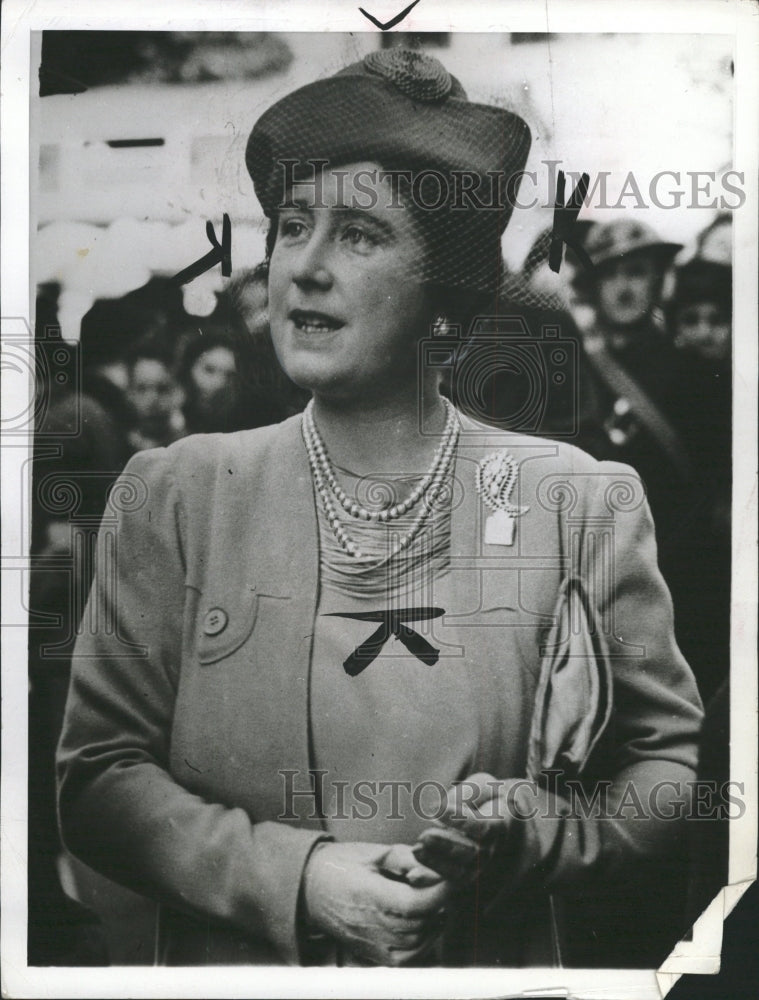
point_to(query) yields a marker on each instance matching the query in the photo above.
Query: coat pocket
(224, 623)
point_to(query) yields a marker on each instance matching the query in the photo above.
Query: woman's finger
(448, 867)
(405, 939)
(428, 900)
(420, 875)
(412, 954)
(400, 863)
(475, 823)
(396, 921)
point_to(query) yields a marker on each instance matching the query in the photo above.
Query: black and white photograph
(379, 509)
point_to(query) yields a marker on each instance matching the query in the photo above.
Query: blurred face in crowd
(153, 395)
(703, 328)
(253, 304)
(345, 308)
(717, 242)
(213, 376)
(116, 372)
(627, 289)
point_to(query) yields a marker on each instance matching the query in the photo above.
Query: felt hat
(609, 241)
(401, 109)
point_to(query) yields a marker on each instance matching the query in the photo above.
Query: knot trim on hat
(414, 73)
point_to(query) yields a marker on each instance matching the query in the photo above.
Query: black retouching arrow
(391, 623)
(564, 218)
(393, 21)
(220, 254)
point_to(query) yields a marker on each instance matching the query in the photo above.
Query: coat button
(215, 621)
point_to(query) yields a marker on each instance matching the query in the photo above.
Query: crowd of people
(651, 387)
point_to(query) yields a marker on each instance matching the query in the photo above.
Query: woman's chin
(321, 380)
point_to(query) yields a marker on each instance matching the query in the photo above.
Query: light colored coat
(175, 733)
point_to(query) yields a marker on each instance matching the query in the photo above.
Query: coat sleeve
(120, 810)
(650, 752)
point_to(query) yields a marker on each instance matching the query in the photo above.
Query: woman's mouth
(308, 321)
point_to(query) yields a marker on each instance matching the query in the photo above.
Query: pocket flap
(225, 622)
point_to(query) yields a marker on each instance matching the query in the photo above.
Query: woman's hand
(480, 815)
(376, 916)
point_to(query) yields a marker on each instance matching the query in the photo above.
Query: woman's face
(214, 373)
(153, 394)
(703, 328)
(346, 306)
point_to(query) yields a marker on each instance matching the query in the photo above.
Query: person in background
(108, 334)
(631, 369)
(76, 457)
(208, 374)
(557, 290)
(630, 261)
(155, 397)
(700, 313)
(699, 316)
(715, 242)
(269, 395)
(82, 442)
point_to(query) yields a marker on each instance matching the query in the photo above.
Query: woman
(209, 376)
(325, 626)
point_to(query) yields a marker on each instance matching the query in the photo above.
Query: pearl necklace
(328, 487)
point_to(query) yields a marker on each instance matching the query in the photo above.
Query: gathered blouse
(392, 738)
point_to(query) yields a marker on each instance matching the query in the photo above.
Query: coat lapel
(499, 595)
(284, 557)
(482, 617)
(285, 537)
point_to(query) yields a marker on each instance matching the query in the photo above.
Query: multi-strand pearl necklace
(328, 487)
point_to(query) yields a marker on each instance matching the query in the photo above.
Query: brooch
(496, 478)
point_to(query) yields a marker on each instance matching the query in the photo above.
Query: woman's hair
(195, 346)
(150, 347)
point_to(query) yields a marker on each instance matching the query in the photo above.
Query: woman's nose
(312, 268)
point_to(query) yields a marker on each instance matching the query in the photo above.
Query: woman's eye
(358, 237)
(292, 227)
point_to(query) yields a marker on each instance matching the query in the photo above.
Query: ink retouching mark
(393, 21)
(220, 254)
